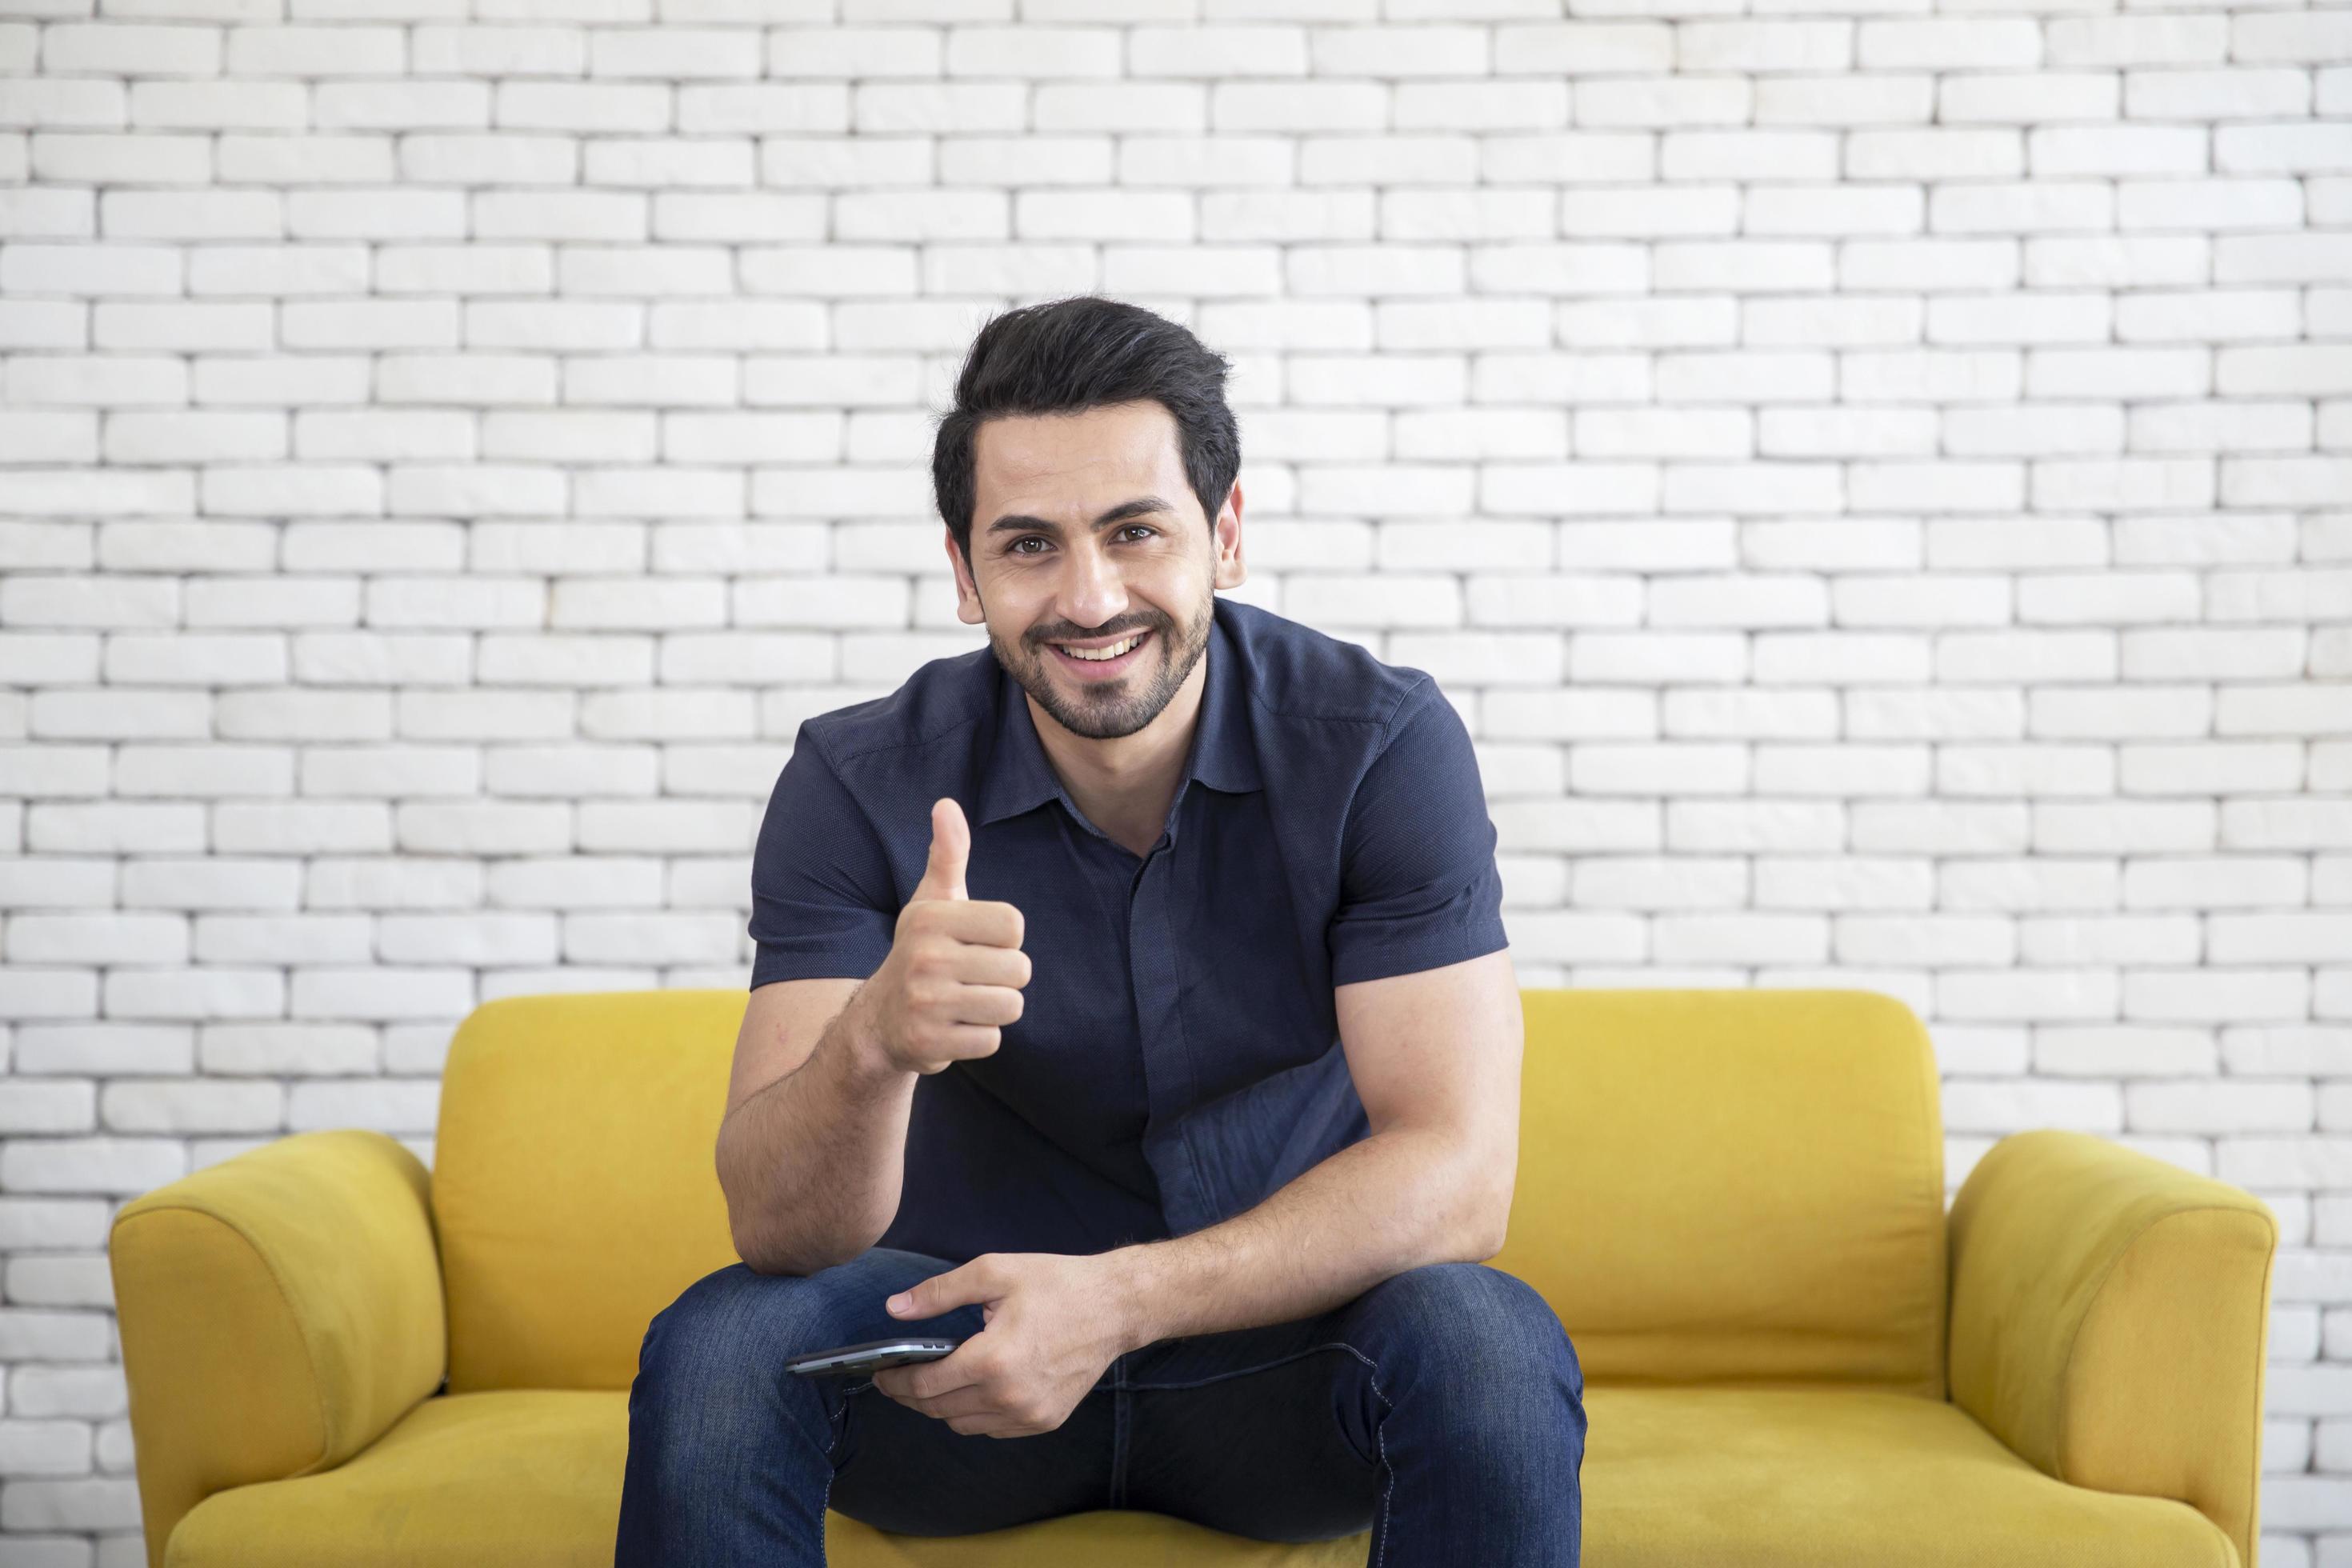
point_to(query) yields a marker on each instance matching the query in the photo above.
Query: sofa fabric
(1733, 1199)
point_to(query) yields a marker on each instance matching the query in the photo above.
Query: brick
(1951, 43)
(2317, 37)
(2139, 40)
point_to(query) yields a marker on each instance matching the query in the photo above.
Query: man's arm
(1435, 1059)
(813, 1141)
(814, 1145)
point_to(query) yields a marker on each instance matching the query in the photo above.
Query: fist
(955, 972)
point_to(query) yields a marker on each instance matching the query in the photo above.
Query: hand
(1054, 1323)
(955, 971)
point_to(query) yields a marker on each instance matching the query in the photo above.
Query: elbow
(1484, 1219)
(1494, 1211)
(769, 1247)
(1492, 1238)
(761, 1262)
(763, 1254)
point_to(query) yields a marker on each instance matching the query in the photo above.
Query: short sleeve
(822, 902)
(1418, 884)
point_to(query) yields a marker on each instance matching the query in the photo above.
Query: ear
(1227, 539)
(967, 607)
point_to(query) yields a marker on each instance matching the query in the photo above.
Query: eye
(1014, 548)
(1139, 526)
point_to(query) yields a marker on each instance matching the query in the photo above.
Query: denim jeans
(1442, 1409)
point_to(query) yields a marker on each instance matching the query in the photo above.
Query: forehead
(1045, 463)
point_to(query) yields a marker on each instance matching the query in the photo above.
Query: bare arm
(813, 1143)
(1435, 1059)
(813, 1148)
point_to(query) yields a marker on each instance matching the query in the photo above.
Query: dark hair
(1085, 351)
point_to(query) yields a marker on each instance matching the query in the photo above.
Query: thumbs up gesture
(955, 972)
(951, 853)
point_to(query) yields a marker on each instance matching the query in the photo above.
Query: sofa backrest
(574, 1183)
(1733, 1185)
(1713, 1186)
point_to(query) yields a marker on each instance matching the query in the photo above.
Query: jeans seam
(1119, 1432)
(1381, 1436)
(825, 1503)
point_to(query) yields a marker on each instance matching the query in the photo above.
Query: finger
(969, 1401)
(933, 1379)
(962, 1042)
(958, 1287)
(987, 1004)
(974, 964)
(990, 922)
(944, 872)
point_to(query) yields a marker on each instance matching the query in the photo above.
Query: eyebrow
(1141, 506)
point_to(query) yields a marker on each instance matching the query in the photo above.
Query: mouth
(1090, 665)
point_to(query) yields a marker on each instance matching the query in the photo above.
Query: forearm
(811, 1164)
(1390, 1202)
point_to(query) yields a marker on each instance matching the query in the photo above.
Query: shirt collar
(1223, 754)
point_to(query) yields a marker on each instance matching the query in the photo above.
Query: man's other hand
(1054, 1323)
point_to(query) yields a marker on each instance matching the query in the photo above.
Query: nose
(1090, 589)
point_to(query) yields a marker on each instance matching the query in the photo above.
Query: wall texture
(1878, 482)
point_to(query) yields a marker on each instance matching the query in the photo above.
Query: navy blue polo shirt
(1177, 1055)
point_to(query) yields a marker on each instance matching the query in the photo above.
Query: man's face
(1046, 571)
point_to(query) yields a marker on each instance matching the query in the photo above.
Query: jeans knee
(1487, 1334)
(708, 1350)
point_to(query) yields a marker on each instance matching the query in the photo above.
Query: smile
(1091, 664)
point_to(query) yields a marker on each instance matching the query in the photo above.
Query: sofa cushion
(1754, 1478)
(1826, 1477)
(1734, 1184)
(575, 1188)
(1739, 1184)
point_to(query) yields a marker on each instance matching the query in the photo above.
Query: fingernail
(900, 1303)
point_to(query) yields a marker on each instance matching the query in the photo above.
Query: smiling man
(1130, 1002)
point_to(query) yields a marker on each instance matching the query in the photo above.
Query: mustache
(1039, 640)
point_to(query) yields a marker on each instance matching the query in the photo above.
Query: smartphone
(871, 1356)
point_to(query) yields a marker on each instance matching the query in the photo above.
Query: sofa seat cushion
(526, 1476)
(1803, 1476)
(1736, 1477)
(531, 1478)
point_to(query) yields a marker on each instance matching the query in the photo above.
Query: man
(1130, 1002)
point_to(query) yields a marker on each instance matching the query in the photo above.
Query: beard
(1104, 710)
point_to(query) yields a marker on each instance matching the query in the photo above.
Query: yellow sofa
(1794, 1357)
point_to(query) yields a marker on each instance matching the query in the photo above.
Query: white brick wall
(1878, 483)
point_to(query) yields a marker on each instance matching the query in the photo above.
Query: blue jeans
(1442, 1409)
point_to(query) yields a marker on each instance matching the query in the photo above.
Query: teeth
(1098, 654)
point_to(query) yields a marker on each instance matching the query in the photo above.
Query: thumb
(928, 1299)
(950, 852)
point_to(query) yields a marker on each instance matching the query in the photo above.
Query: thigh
(900, 1470)
(717, 1355)
(1269, 1433)
(913, 1474)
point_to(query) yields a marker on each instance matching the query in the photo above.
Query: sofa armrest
(2110, 1317)
(278, 1311)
